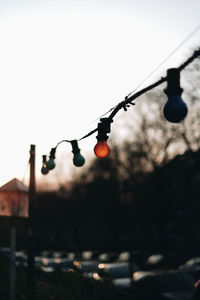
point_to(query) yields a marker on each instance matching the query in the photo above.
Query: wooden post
(31, 239)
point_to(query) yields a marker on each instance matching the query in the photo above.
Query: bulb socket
(44, 159)
(52, 153)
(103, 129)
(75, 148)
(173, 83)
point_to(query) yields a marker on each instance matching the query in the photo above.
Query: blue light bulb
(175, 109)
(44, 170)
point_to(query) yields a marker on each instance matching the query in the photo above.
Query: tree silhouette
(136, 198)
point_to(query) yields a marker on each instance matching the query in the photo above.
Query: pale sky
(65, 63)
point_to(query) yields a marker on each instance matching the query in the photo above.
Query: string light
(102, 149)
(78, 159)
(44, 169)
(51, 162)
(175, 110)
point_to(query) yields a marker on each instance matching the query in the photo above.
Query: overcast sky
(65, 63)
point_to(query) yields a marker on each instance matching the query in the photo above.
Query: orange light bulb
(101, 149)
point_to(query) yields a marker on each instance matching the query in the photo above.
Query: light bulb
(101, 149)
(175, 109)
(78, 160)
(51, 164)
(44, 169)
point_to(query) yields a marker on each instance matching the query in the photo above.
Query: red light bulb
(101, 149)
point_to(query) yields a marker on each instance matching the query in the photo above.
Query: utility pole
(12, 259)
(31, 239)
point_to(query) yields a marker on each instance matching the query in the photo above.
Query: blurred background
(65, 64)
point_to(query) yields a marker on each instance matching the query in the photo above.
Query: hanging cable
(148, 76)
(172, 53)
(125, 104)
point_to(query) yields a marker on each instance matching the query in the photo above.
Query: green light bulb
(51, 164)
(78, 160)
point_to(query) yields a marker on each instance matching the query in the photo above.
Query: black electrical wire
(125, 104)
(128, 101)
